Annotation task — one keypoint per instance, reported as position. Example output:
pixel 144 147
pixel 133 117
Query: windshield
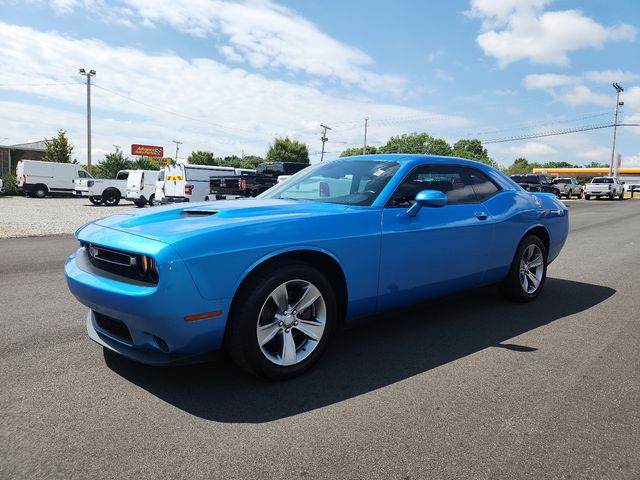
pixel 561 180
pixel 602 180
pixel 349 182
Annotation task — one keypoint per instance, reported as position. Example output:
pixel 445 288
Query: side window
pixel 482 186
pixel 449 180
pixel 83 174
pixel 122 175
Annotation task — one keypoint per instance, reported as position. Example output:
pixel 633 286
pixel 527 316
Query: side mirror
pixel 427 198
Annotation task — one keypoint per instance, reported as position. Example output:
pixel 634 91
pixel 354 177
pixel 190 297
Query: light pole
pixel 89 74
pixel 364 148
pixel 615 124
pixel 178 143
pixel 324 140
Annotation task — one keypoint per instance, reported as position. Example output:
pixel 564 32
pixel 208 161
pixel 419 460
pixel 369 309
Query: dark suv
pixel 536 183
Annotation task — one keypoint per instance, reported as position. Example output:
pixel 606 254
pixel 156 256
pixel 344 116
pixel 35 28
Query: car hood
pixel 170 224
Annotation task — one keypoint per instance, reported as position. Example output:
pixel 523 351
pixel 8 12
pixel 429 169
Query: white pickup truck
pixel 609 187
pixel 101 190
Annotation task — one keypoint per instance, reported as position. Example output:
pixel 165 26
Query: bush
pixel 10 186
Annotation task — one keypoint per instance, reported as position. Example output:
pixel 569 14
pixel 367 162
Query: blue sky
pixel 229 76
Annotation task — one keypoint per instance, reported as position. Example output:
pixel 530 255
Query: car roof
pixel 408 158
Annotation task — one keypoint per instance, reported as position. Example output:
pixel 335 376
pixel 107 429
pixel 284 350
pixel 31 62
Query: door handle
pixel 481 215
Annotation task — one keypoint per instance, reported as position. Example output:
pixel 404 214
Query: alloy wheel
pixel 531 269
pixel 291 322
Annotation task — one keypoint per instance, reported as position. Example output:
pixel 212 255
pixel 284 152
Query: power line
pixel 558 132
pixel 38 84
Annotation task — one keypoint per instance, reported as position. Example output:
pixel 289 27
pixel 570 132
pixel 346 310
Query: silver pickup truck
pixel 102 190
pixel 569 187
pixel 609 187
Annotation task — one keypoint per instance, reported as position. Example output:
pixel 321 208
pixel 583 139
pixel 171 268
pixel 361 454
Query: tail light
pixel 147 268
pixel 242 184
pixel 24 179
pixel 188 189
pixel 142 182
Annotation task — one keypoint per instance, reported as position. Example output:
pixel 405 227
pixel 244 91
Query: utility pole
pixel 615 124
pixel 324 139
pixel 364 148
pixel 117 148
pixel 178 143
pixel 89 74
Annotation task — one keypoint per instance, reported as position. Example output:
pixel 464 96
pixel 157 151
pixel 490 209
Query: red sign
pixel 147 150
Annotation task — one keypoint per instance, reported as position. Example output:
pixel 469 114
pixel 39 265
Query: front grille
pixel 113 327
pixel 119 263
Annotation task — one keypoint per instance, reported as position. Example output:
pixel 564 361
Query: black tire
pixel 40 191
pixel 152 200
pixel 512 287
pixel 241 337
pixel 111 197
pixel 140 203
pixel 95 200
pixel 587 197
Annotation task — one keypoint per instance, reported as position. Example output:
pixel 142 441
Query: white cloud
pixel 521 30
pixel 596 154
pixel 219 108
pixel 582 95
pixel 610 76
pixel 571 89
pixel 630 161
pixel 265 35
pixel 532 149
pixel 547 80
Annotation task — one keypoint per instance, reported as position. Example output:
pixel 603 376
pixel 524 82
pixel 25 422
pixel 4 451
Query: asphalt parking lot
pixel 468 387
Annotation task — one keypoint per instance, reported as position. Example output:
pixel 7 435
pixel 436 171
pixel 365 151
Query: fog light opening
pixel 162 345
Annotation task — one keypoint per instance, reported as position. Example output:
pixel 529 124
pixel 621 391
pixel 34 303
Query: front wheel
pixel 152 200
pixel 528 271
pixel 140 203
pixel 281 320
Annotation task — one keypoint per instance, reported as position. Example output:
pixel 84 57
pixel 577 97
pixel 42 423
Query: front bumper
pixel 154 315
pixel 148 357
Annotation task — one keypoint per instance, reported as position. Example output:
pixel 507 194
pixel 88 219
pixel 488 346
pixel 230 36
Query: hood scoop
pixel 198 213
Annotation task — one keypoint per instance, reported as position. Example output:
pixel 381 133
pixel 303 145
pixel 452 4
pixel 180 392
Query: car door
pixel 439 250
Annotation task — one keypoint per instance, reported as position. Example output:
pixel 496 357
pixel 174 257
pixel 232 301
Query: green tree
pixel 112 164
pixel 597 165
pixel 558 165
pixel 287 150
pixel 58 149
pixel 10 186
pixel 416 143
pixel 355 151
pixel 251 161
pixel 203 157
pixel 147 163
pixel 472 149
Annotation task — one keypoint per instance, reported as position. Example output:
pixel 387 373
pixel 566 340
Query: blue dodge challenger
pixel 270 278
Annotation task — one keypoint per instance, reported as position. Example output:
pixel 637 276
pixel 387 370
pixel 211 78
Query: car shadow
pixel 378 353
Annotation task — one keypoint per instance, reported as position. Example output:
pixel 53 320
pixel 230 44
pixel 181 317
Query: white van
pixel 159 195
pixel 38 179
pixel 141 187
pixel 190 183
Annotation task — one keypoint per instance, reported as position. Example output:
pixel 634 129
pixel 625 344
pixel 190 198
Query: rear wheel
pixel 111 197
pixel 140 203
pixel 621 197
pixel 152 200
pixel 40 191
pixel 587 197
pixel 528 271
pixel 281 321
pixel 95 200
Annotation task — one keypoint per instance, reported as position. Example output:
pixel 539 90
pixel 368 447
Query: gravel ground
pixel 34 217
